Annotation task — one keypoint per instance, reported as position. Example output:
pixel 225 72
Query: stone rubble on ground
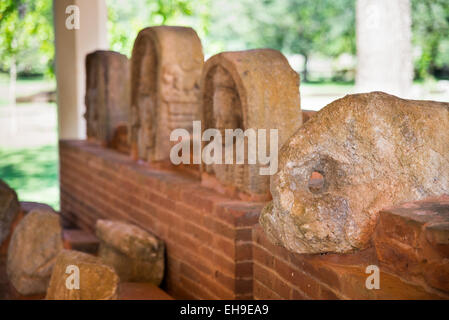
pixel 96 280
pixel 35 243
pixel 136 255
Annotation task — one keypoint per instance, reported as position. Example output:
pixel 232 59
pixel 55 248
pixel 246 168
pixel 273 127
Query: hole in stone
pixel 316 182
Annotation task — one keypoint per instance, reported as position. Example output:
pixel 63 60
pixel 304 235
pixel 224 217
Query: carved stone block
pixel 356 156
pixel 135 254
pixel 82 276
pixel 107 94
pixel 34 245
pixel 254 89
pixel 166 68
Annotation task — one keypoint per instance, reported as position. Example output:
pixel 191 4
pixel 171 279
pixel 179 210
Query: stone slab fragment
pixel 32 251
pixel 80 240
pixel 135 254
pixel 97 281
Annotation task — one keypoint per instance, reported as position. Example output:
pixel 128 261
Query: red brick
pixel 304 282
pixel 223 229
pixel 412 241
pixel 261 292
pixel 244 269
pixel 190 213
pixel 243 234
pixel 226 246
pixel 196 290
pixel 298 295
pixel 271 281
pixel 244 251
pixel 263 257
pixel 243 286
pixel 141 291
pixel 227 281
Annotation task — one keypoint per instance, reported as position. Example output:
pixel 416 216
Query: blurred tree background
pixel 301 28
pixel 26 36
pixel 431 38
pixel 304 28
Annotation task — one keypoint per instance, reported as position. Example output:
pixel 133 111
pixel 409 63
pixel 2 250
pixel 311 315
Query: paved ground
pixel 317 96
pixel 28 125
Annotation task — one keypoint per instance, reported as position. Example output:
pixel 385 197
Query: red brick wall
pixel 215 248
pixel 207 236
pixel 280 274
pixel 412 240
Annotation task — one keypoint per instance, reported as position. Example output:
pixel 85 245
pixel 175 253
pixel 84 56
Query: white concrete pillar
pixel 384 50
pixel 71 47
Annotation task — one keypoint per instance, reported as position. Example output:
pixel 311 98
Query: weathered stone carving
pixel 254 89
pixel 35 243
pixel 97 281
pixel 135 254
pixel 107 94
pixel 9 208
pixel 366 152
pixel 165 73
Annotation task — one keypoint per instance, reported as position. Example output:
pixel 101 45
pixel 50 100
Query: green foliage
pixel 430 35
pixel 26 34
pixel 126 20
pixel 305 27
pixel 325 27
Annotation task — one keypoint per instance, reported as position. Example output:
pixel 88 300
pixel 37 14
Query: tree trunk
pixel 12 95
pixel 384 48
pixel 305 70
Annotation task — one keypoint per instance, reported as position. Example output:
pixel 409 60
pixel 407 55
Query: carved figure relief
pixel 166 68
pixel 254 89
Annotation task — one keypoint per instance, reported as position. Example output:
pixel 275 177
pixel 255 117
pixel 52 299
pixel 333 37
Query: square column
pixel 71 47
pixel 384 50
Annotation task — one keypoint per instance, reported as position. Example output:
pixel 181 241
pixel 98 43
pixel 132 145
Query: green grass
pixel 33 173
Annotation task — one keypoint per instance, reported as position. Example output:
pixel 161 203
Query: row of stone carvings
pixel 170 88
pixel 369 150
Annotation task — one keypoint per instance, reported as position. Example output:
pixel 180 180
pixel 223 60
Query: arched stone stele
pixel 166 68
pixel 254 89
pixel 107 94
